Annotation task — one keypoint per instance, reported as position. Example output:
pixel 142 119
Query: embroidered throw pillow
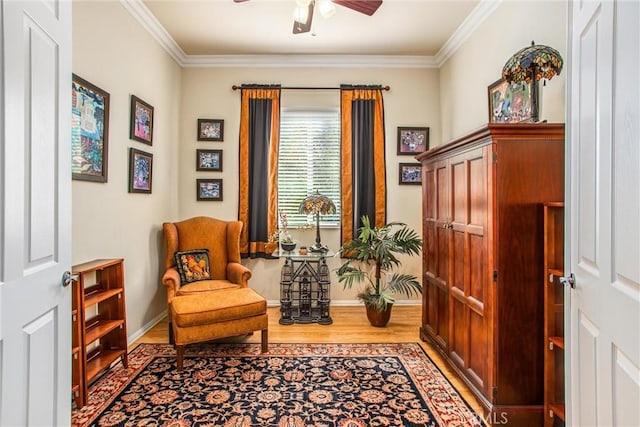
pixel 193 265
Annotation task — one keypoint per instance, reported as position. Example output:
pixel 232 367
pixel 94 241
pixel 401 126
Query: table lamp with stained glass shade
pixel 317 204
pixel 531 64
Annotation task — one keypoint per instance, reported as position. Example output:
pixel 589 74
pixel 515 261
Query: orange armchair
pixel 221 238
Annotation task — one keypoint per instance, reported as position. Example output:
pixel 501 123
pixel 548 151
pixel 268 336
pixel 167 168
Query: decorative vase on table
pixel 288 246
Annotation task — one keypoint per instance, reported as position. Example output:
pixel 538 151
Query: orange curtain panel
pixel 364 190
pixel 258 186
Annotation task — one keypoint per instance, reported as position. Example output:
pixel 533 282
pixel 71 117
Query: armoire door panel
pixel 437 313
pixel 460 335
pixel 432 304
pixel 457 255
pixel 429 211
pixel 459 192
pixel 429 253
pixel 436 267
pixel 429 250
pixel 478 349
pixel 443 318
pixel 478 190
pixel 477 267
pixel 442 272
pixel 442 193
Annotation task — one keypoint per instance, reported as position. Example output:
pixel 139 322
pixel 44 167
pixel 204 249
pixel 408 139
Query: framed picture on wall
pixel 141 121
pixel 89 131
pixel 209 189
pixel 412 140
pixel 140 171
pixel 209 160
pixel 410 173
pixel 210 130
pixel 509 103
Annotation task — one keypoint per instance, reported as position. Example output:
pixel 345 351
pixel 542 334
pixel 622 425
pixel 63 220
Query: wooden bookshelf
pixel 100 328
pixel 554 388
pixel 77 372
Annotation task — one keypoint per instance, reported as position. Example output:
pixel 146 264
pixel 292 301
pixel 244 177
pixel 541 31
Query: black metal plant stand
pixel 304 289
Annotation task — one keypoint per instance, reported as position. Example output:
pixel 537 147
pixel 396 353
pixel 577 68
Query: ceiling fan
pixel 303 13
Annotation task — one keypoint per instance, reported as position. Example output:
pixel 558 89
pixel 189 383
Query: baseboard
pixel 352 303
pixel 146 327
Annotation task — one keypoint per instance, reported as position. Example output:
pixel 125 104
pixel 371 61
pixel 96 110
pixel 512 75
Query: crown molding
pixel 149 22
pixel 477 16
pixel 302 61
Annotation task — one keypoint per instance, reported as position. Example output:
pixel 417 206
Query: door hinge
pixel 494 393
pixel 495 276
pixel 495 156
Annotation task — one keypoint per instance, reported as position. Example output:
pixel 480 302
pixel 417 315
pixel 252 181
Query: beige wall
pixel 479 61
pixel 110 222
pixel 206 93
pixel 112 51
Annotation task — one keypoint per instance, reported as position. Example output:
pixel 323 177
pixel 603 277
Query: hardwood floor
pixel 350 325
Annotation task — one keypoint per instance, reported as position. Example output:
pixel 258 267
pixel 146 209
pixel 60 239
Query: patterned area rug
pixel 341 385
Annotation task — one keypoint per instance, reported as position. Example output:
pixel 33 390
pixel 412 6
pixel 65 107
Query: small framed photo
pixel 209 160
pixel 141 122
pixel 509 103
pixel 210 130
pixel 89 131
pixel 140 171
pixel 412 140
pixel 410 173
pixel 209 189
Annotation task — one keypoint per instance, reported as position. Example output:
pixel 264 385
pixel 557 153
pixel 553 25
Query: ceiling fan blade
pixel 298 27
pixel 368 7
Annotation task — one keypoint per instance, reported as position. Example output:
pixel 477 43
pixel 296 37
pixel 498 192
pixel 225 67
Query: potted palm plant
pixel 372 261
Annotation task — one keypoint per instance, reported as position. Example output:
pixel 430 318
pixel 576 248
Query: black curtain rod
pixel 236 87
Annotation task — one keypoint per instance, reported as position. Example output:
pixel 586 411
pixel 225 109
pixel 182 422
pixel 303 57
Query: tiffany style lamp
pixel 532 64
pixel 317 204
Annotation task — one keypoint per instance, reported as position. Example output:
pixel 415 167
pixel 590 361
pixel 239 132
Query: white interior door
pixel 604 203
pixel 35 213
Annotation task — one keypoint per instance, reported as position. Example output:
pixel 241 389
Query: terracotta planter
pixel 377 318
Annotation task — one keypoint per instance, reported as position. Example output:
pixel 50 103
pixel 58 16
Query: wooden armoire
pixel 483 198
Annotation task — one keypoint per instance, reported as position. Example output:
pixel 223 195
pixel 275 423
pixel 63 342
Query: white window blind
pixel 308 160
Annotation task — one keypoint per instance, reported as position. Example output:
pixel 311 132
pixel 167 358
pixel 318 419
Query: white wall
pixel 479 61
pixel 206 93
pixel 113 52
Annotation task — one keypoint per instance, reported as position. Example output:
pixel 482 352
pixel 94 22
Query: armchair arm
pixel 171 279
pixel 238 274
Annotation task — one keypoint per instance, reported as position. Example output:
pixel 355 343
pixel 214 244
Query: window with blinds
pixel 308 160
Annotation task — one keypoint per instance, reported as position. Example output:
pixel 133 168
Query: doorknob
pixel 67 278
pixel 569 280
